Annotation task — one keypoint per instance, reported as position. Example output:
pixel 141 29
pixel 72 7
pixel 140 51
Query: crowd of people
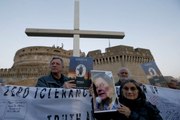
pixel 131 104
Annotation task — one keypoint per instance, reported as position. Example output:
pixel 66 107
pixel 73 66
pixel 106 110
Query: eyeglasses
pixel 124 73
pixel 131 89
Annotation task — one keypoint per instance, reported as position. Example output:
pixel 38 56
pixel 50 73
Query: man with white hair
pixel 123 74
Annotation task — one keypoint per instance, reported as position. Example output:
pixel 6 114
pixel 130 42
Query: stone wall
pixel 122 56
pixel 32 62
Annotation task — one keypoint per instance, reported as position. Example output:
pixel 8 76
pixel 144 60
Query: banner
pixel 33 103
pixel 167 101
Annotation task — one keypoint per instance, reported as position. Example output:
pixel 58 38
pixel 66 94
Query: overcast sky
pixel 150 24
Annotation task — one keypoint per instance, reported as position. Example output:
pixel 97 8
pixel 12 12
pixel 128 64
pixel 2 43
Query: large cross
pixel 76 33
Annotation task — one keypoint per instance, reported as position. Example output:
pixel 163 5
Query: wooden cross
pixel 76 33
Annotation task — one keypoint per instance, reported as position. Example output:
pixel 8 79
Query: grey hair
pixel 124 68
pixel 57 57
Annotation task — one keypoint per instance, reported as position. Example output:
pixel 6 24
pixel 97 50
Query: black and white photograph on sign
pixel 104 92
pixel 79 70
pixel 153 73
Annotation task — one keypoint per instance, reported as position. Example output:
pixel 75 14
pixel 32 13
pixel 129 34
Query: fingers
pixel 124 110
pixel 73 85
pixel 91 90
pixel 71 81
pixel 69 84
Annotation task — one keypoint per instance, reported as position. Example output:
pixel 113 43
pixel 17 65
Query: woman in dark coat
pixel 134 105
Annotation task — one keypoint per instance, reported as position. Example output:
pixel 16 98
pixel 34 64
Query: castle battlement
pixel 121 53
pixel 32 62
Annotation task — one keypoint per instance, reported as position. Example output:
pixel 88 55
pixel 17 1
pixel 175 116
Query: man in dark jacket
pixel 56 79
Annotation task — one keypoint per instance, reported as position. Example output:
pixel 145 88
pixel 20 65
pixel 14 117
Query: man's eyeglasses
pixel 124 73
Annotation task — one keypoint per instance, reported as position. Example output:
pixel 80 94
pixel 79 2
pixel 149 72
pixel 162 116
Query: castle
pixel 32 62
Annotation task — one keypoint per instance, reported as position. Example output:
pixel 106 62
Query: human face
pixel 56 66
pixel 130 91
pixel 123 73
pixel 102 88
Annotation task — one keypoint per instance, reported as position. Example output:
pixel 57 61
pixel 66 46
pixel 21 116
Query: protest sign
pixel 79 69
pixel 104 92
pixel 167 101
pixel 33 103
pixel 153 73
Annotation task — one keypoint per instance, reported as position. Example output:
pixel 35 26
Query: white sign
pixel 167 101
pixel 33 103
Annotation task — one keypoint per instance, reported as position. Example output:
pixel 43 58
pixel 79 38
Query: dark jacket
pixel 51 82
pixel 118 83
pixel 139 111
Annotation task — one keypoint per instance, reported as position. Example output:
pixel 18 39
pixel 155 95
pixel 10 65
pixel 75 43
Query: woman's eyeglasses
pixel 131 89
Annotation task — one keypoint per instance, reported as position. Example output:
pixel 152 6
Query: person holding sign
pixel 56 79
pixel 134 105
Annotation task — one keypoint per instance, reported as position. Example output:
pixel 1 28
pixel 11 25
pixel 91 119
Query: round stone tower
pixel 32 62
